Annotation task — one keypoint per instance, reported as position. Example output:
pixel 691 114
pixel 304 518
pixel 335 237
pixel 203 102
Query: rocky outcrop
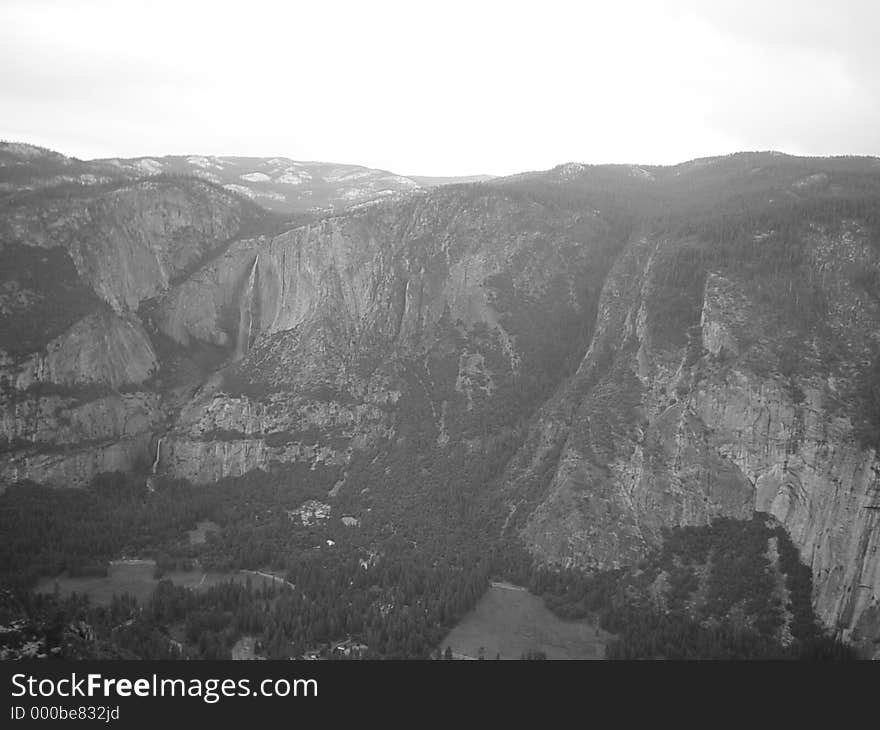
pixel 102 348
pixel 60 420
pixel 207 306
pixel 809 472
pixel 65 439
pixel 221 435
pixel 76 466
pixel 147 235
pixel 62 417
pixel 130 242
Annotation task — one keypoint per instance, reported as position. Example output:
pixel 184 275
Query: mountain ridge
pixel 277 183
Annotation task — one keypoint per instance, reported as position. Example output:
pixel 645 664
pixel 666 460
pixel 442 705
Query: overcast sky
pixel 442 87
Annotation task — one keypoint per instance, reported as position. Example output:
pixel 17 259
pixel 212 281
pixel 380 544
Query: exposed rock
pixel 646 435
pixel 102 348
pixel 68 420
pixel 76 467
pixel 131 242
pixel 325 323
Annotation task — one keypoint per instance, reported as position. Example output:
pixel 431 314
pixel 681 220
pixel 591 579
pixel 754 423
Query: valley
pixel 393 402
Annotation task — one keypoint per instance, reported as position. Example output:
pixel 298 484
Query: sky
pixel 443 87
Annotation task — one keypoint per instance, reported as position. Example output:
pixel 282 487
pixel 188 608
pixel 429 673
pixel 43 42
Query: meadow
pixel 509 622
pixel 138 578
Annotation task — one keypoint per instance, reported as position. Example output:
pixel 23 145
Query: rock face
pixel 64 401
pixel 130 242
pixel 101 348
pixel 221 436
pixel 61 420
pixel 77 403
pixel 331 323
pixel 627 456
pixel 76 467
pixel 749 406
pixel 617 349
pixel 391 273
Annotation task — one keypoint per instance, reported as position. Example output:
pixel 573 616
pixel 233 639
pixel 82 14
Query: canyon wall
pixel 747 406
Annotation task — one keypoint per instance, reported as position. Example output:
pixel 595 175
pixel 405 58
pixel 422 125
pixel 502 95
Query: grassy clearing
pixel 510 622
pixel 135 577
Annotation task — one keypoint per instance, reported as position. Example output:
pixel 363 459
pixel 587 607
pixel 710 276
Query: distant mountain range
pixel 276 183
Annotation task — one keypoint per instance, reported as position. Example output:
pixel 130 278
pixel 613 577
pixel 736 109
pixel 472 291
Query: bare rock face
pixel 743 409
pixel 130 242
pixel 148 235
pixel 63 418
pixel 616 457
pixel 77 467
pixel 791 433
pixel 101 348
pixel 204 306
pixel 331 324
pixel 220 435
pixel 388 273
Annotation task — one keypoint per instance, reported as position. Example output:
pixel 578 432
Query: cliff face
pixel 388 273
pixel 747 404
pixel 615 456
pixel 221 435
pixel 66 442
pixel 329 325
pixel 792 432
pixel 100 348
pixel 62 417
pixel 77 267
pixel 130 242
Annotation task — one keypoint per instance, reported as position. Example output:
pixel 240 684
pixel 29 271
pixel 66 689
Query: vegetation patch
pixel 41 296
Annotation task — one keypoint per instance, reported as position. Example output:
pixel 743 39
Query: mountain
pixel 27 167
pixel 570 361
pixel 278 184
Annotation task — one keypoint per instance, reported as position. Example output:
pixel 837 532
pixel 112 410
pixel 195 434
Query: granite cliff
pixel 329 325
pixel 78 262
